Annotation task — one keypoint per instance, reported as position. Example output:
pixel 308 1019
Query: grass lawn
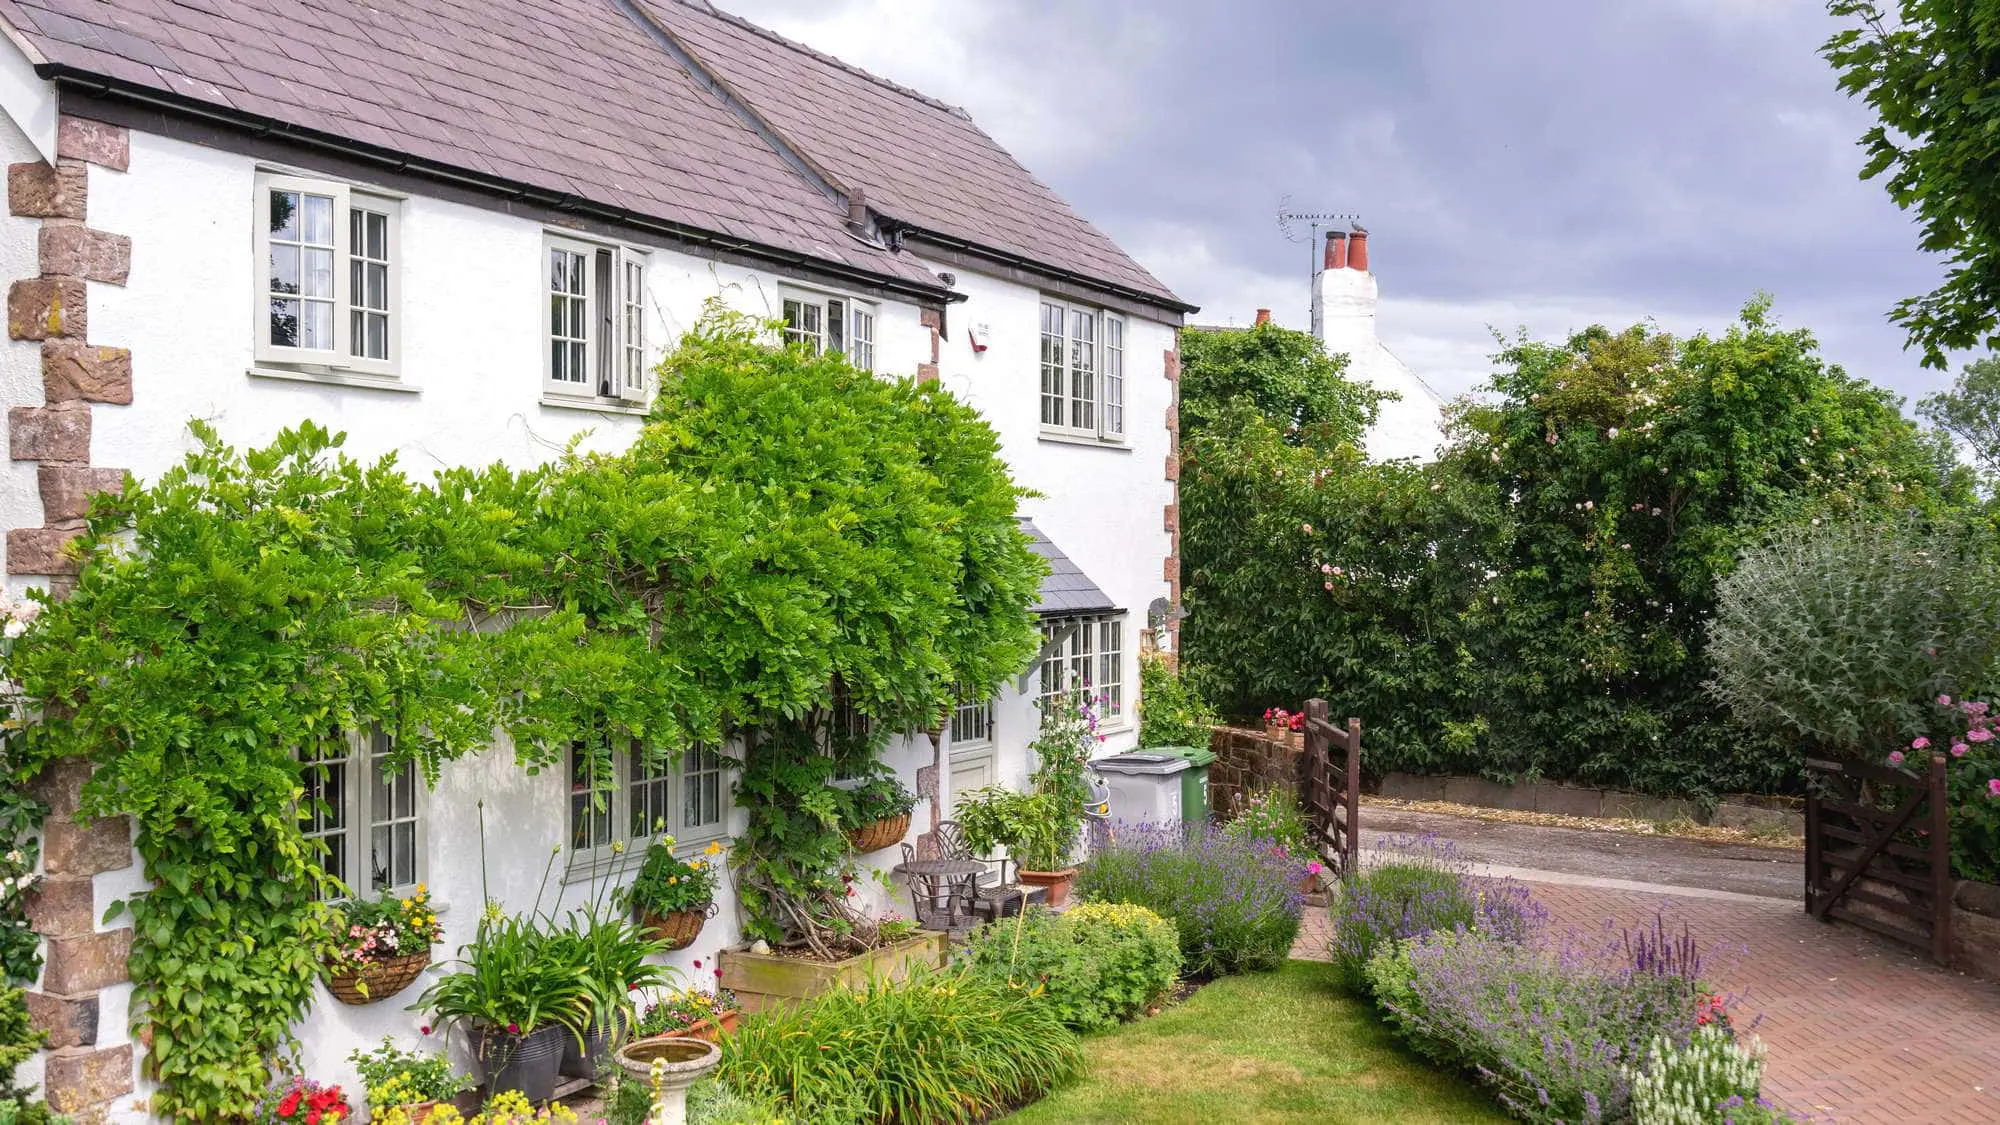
pixel 1260 1049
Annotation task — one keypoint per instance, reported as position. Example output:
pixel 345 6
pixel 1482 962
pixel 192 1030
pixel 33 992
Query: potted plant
pixel 689 1013
pixel 301 1101
pixel 672 897
pixel 1287 728
pixel 876 814
pixel 1037 829
pixel 519 994
pixel 379 947
pixel 410 1081
pixel 612 956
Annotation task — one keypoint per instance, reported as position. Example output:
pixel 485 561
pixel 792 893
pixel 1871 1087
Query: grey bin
pixel 1144 786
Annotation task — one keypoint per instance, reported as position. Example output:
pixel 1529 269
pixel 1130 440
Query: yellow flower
pixel 714 847
pixel 617 847
pixel 672 879
pixel 406 904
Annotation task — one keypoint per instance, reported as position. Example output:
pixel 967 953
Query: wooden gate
pixel 1878 850
pixel 1330 787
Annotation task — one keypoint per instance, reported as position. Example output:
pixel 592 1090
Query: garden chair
pixel 994 894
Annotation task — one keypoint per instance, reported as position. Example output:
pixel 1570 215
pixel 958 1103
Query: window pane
pixel 1054 403
pixel 316 220
pixel 285 216
pixel 1083 369
pixel 1114 376
pixel 376 245
pixel 284 268
pixel 701 806
pixel 317 279
pixel 323 811
pixel 316 325
pixel 589 807
pixel 836 327
pixel 649 798
pixel 284 323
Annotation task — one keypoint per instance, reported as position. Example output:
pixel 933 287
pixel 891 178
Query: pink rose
pixel 1920 743
pixel 1959 749
pixel 1993 787
pixel 1895 757
pixel 1944 701
pixel 1978 734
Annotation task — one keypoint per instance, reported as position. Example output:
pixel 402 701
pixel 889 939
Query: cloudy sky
pixel 1540 163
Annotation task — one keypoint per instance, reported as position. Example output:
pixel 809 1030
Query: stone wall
pixel 1975 929
pixel 1246 761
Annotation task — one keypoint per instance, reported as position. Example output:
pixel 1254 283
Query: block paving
pixel 1860 1031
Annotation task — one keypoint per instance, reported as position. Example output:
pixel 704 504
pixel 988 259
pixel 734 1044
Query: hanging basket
pixel 377 980
pixel 677 928
pixel 881 834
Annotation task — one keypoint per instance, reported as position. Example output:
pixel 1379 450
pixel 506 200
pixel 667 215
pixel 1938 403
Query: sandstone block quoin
pixel 35 190
pixel 80 138
pixel 73 371
pixel 82 1078
pixel 68 1021
pixel 49 433
pixel 79 964
pixel 44 308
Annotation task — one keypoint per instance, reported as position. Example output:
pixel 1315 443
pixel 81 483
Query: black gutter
pixel 1008 258
pixel 257 125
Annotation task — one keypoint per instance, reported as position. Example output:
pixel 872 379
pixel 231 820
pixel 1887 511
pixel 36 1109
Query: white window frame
pixel 858 320
pixel 1100 360
pixel 615 356
pixel 346 199
pixel 618 807
pixel 357 761
pixel 1092 654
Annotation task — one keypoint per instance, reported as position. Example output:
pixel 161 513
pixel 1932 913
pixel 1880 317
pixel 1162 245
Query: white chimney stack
pixel 1343 318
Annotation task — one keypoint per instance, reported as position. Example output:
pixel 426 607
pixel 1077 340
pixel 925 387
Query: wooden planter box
pixel 760 980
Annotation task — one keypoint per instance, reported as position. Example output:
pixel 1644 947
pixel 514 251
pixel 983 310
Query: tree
pixel 1932 75
pixel 1970 411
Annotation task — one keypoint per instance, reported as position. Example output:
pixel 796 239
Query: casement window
pixel 329 293
pixel 822 322
pixel 644 800
pixel 596 320
pixel 972 723
pixel 1085 654
pixel 1083 372
pixel 368 823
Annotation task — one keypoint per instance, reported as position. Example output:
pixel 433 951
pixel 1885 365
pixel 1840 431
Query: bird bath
pixel 669 1066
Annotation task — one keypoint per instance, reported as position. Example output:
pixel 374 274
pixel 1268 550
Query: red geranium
pixel 301 1101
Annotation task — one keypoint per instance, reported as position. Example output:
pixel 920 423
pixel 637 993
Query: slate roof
pixel 1067 589
pixel 915 158
pixel 579 98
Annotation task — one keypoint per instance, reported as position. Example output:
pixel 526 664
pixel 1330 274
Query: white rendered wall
pixel 1344 303
pixel 471 340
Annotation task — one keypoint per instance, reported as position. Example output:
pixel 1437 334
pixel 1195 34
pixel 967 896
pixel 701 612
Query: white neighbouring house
pixel 466 232
pixel 1345 295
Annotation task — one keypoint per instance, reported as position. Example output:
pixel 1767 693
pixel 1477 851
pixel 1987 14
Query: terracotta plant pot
pixel 1056 881
pixel 708 1031
pixel 377 980
pixel 881 834
pixel 678 929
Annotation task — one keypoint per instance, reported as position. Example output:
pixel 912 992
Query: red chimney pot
pixel 1357 251
pixel 1263 316
pixel 1336 250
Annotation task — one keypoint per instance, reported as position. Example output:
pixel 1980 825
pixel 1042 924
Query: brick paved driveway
pixel 1860 1032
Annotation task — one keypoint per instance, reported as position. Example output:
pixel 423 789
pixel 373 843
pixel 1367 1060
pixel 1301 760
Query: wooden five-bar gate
pixel 1330 787
pixel 1878 850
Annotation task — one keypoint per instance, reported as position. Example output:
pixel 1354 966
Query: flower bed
pixel 1235 902
pixel 1097 963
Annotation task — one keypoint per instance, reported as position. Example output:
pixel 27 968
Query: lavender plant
pixel 1236 903
pixel 1556 1030
pixel 1416 885
pixel 1710 1078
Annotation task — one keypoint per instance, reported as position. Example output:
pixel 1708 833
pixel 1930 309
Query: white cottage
pixel 1345 294
pixel 465 232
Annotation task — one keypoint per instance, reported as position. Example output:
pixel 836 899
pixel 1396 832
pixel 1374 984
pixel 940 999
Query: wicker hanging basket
pixel 881 834
pixel 677 928
pixel 377 980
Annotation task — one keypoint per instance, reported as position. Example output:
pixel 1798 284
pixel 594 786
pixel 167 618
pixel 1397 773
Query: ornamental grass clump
pixel 1556 1031
pixel 1235 903
pixel 1418 885
pixel 1097 963
pixel 941 1048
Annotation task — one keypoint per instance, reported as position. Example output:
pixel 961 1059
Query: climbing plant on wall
pixel 782 526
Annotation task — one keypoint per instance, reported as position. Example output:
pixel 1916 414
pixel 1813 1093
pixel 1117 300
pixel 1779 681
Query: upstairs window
pixel 821 323
pixel 1083 372
pixel 328 292
pixel 596 320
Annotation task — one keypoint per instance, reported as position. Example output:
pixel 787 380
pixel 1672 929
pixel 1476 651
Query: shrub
pixel 1235 904
pixel 1097 964
pixel 1555 1031
pixel 942 1047
pixel 1858 639
pixel 1711 1077
pixel 393 1076
pixel 1171 711
pixel 1418 885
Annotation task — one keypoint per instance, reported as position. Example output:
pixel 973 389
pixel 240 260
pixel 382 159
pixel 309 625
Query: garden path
pixel 1860 1031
